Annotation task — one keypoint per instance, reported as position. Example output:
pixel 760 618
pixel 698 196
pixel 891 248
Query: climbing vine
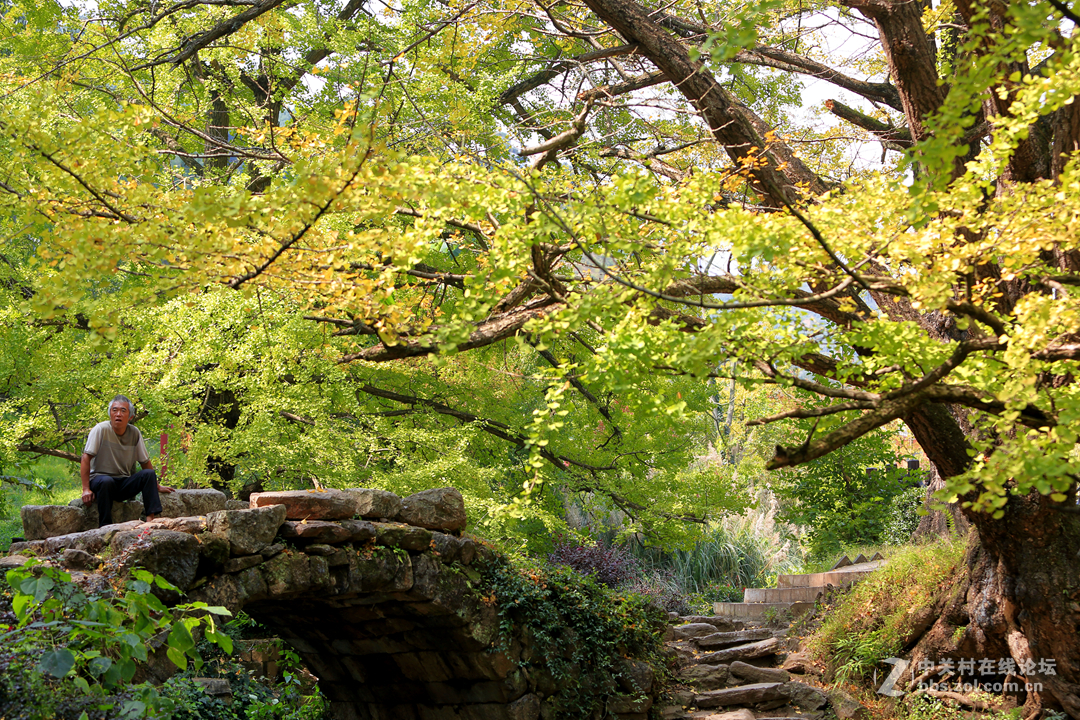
pixel 575 629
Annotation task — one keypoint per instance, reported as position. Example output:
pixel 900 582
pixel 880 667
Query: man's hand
pixel 165 488
pixel 84 474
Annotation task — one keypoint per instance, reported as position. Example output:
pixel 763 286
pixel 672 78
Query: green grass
pixel 58 482
pixel 871 622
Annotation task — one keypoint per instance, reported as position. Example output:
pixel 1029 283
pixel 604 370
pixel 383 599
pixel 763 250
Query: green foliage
pixel 430 311
pixel 42 481
pixel 919 706
pixel 252 697
pixel 575 628
pixel 251 700
pixel 871 622
pixel 838 501
pixel 94 644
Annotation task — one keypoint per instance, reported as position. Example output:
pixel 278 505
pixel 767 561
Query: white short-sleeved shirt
pixel 112 454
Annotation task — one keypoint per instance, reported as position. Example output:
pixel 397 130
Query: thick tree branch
pixel 611 91
pixel 868 421
pixel 780 59
pixel 493 427
pixel 892 137
pixel 487 332
pixel 30 447
pixel 717 105
pixel 549 150
pixel 910 55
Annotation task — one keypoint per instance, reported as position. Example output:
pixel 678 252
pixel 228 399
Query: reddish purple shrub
pixel 611 566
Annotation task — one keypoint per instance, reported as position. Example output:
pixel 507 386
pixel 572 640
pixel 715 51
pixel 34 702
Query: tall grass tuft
pixel 738 552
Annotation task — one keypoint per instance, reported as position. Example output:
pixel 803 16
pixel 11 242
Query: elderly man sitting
pixel 108 462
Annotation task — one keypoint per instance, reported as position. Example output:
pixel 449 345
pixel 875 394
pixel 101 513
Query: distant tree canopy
pixel 349 214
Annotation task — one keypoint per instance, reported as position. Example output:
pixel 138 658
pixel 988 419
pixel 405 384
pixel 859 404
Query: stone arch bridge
pixel 373 591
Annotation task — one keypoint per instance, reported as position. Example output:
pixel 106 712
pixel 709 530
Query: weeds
pixel 924 707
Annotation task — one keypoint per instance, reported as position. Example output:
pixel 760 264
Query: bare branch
pixel 42 450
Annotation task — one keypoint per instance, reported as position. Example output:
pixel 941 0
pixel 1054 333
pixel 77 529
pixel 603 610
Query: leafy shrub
pixel 662 591
pixel 741 551
pixel 27 693
pixel 904 517
pixel 193 703
pixel 611 566
pixel 837 500
pixel 86 649
pixel 252 699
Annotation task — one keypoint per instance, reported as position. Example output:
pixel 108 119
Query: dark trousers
pixel 108 489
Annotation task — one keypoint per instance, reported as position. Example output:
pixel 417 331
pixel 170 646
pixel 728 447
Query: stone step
pixel 760 611
pixel 762 648
pixel 743 695
pixel 724 639
pixel 843 576
pixel 782 594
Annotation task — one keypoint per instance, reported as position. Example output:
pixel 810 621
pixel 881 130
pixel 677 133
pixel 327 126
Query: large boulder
pixel 806 697
pixel 755 674
pixel 742 695
pixel 45 521
pixel 402 536
pixel 372 503
pixel 172 505
pixel 123 512
pixel 248 531
pixel 170 554
pixel 694 630
pixel 439 509
pixel 213 552
pixel 186 503
pixel 308 504
pixel 846 707
pixel 704 677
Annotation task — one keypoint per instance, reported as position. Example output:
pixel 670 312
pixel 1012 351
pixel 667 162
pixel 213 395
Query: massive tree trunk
pixel 1017 604
pixel 1020 599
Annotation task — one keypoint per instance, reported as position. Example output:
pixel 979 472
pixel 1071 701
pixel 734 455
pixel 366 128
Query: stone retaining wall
pixel 375 592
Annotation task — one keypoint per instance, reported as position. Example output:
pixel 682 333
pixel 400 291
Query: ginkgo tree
pixel 623 194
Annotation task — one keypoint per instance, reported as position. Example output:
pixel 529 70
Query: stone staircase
pixel 796 594
pixel 728 670
pixel 730 666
